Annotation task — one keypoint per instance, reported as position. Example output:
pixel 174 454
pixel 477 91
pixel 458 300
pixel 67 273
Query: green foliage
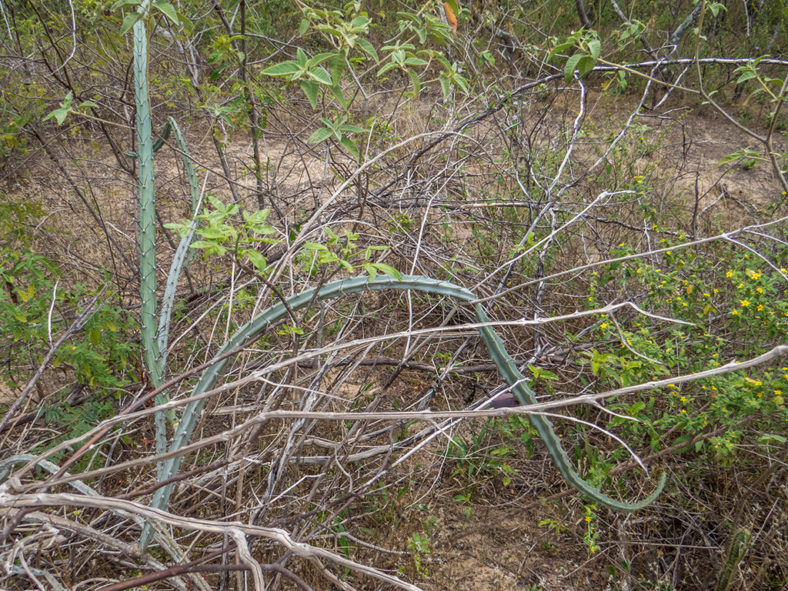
pixel 725 295
pixel 219 234
pixel 586 48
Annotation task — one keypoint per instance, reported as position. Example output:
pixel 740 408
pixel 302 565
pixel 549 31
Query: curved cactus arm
pixel 179 260
pixel 525 396
pixel 504 362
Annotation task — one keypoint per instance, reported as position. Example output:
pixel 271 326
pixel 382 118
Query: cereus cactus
pixel 336 289
pixel 736 552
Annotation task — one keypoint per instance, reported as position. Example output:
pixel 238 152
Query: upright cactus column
pixel 147 217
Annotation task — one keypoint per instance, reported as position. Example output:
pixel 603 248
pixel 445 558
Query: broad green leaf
pixel 321 75
pixel 129 21
pixel 320 58
pixel 337 66
pixel 351 128
pixel 415 61
pixel 415 80
pixel 351 147
pixel 388 270
pixel 320 135
pixel 445 86
pixel 303 26
pixel 571 66
pixel 120 3
pixel 585 65
pixel 596 47
pixel 746 76
pixel 256 258
pixel 59 115
pixel 337 92
pixel 386 67
pixel 282 69
pixel 166 9
pixel 367 47
pixel 310 89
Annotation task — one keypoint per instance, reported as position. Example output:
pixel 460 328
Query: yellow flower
pixel 707 294
pixel 744 303
pixel 735 312
pixel 729 274
pixel 759 289
pixel 683 399
pixel 760 308
pixel 588 519
pixel 603 325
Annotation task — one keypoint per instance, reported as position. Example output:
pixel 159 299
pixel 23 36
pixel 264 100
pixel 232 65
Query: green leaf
pixel 256 258
pixel 445 86
pixel 596 47
pixel 166 9
pixel 585 65
pixel 310 89
pixel 282 69
pixel 415 61
pixel 129 21
pixel 386 67
pixel 337 66
pixel 322 76
pixel 303 26
pixel 351 147
pixel 367 47
pixel 746 76
pixel 59 115
pixel 320 135
pixel 320 58
pixel 337 92
pixel 571 66
pixel 388 270
pixel 121 3
pixel 351 128
pixel 415 80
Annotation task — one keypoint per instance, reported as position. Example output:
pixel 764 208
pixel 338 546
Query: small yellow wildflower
pixel 735 313
pixel 603 325
pixel 760 308
pixel 588 519
pixel 759 289
pixel 683 399
pixel 729 274
pixel 744 303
